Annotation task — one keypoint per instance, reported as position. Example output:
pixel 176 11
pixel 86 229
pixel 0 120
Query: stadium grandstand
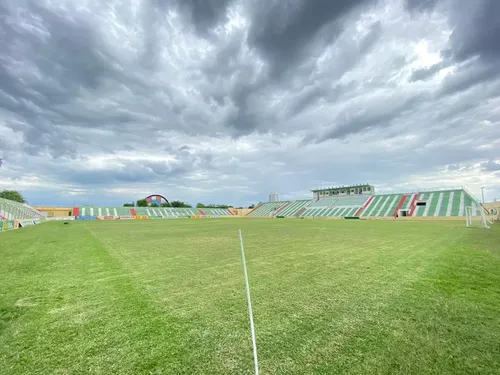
pixel 11 210
pixel 14 215
pixel 155 209
pixel 108 212
pixel 356 201
pixel 361 201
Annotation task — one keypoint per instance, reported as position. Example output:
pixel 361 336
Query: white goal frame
pixel 468 217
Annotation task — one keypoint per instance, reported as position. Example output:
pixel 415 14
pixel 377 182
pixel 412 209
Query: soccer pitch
pixel 329 297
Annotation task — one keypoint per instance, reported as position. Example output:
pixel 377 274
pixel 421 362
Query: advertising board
pixel 85 217
pixel 25 223
pixel 7 225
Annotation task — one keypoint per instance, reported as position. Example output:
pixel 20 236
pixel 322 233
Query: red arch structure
pixel 155 198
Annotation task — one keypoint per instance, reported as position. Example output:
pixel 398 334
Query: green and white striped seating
pixel 266 209
pixel 382 205
pixel 293 208
pixel 11 210
pixel 447 203
pixel 215 212
pixel 324 202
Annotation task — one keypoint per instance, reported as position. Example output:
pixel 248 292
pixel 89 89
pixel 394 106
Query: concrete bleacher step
pixel 400 205
pixel 280 209
pixel 299 212
pixel 363 208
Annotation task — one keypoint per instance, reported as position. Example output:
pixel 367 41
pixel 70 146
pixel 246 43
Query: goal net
pixel 476 217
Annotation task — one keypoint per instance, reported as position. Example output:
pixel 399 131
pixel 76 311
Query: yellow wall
pixel 56 211
pixel 241 211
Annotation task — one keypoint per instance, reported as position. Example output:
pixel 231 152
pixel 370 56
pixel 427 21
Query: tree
pixel 13 196
pixel 201 205
pixel 180 204
pixel 142 203
pixel 154 205
pixel 128 205
pixel 251 206
pixel 166 204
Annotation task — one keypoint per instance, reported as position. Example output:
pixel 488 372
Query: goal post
pixel 472 220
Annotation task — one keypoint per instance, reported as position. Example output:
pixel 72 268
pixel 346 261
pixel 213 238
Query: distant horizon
pixel 478 198
pixel 227 101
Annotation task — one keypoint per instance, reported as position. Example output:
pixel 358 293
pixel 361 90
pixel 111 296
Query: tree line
pixel 144 203
pixel 201 205
pixel 12 195
pixel 18 197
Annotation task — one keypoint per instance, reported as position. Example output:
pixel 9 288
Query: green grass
pixel 329 296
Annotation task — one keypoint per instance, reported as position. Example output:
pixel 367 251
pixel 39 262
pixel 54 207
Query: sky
pixel 226 101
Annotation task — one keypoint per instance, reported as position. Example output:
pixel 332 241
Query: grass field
pixel 329 296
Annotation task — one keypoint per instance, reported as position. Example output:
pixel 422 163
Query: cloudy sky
pixel 222 101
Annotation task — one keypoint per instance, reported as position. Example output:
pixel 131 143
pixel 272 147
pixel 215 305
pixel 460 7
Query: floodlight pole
pixel 250 313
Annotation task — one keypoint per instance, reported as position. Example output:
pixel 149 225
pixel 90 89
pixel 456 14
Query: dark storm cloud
pixel 311 95
pixel 69 59
pixel 354 121
pixel 245 118
pixel 475 28
pixel 469 76
pixel 203 14
pixel 285 32
pixel 420 5
pixel 490 166
pixel 248 116
pixel 72 54
pixel 425 73
pixel 371 38
pixel 68 69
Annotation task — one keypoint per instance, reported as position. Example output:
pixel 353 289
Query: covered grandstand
pixel 446 203
pixel 358 201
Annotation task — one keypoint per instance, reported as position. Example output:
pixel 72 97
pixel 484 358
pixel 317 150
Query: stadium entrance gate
pixel 404 213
